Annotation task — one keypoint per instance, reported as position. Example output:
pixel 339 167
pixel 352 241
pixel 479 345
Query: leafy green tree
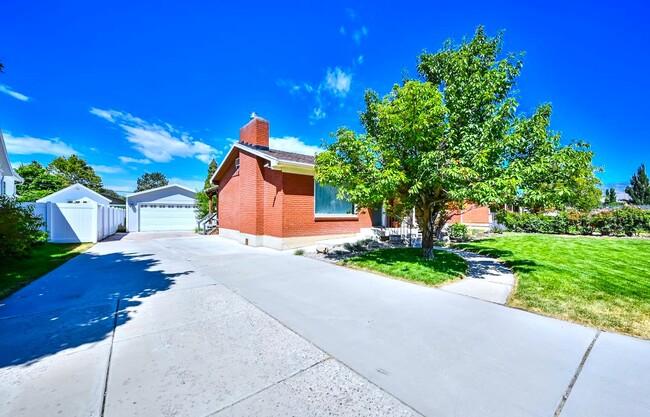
pixel 454 137
pixel 639 188
pixel 111 193
pixel 38 182
pixel 151 180
pixel 76 170
pixel 202 200
pixel 610 197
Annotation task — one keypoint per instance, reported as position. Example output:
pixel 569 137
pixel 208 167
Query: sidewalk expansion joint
pixel 565 397
pixel 110 356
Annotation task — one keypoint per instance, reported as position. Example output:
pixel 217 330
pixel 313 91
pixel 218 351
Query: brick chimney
pixel 255 133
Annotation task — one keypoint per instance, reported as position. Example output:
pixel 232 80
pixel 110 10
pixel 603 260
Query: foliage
pixel 610 197
pixel 639 188
pixel 75 170
pixel 39 182
pixel 111 193
pixel 436 144
pixel 151 180
pixel 299 252
pixel 212 168
pixel 406 263
pixel 19 229
pixel 627 221
pixel 458 231
pixel 202 200
pixel 597 282
pixel 497 229
pixel 16 273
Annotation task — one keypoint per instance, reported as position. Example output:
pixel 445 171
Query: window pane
pixel 327 203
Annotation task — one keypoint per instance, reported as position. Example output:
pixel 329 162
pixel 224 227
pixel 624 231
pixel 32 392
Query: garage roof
pixel 151 190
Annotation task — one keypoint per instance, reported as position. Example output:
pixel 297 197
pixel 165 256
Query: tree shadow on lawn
pixel 517 265
pixel 444 262
pixel 77 305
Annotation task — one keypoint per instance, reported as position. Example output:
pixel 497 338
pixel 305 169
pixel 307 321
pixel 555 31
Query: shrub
pixel 19 228
pixel 497 229
pixel 458 231
pixel 299 252
pixel 627 221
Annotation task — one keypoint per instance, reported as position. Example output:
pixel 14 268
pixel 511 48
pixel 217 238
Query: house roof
pixel 280 160
pixel 5 164
pixel 115 200
pixel 72 187
pixel 151 190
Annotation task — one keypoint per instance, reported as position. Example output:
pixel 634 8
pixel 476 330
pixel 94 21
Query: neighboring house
pixel 474 216
pixel 268 197
pixel 115 201
pixel 8 177
pixel 167 208
pixel 76 193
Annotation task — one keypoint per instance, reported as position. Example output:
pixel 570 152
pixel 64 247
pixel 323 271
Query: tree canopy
pixel 151 180
pixel 610 197
pixel 452 137
pixel 639 188
pixel 75 170
pixel 38 182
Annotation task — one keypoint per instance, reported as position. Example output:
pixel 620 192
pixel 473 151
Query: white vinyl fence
pixel 79 222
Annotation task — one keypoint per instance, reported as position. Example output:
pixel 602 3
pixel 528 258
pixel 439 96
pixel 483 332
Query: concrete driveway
pixel 179 324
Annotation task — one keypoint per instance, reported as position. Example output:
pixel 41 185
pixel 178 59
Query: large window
pixel 326 202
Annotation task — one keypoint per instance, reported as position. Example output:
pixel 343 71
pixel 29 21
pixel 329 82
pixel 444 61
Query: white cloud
pixel 27 145
pixel 105 169
pixel 359 34
pixel 18 96
pixel 317 114
pixel 129 160
pixel 157 143
pixel 342 30
pixel 351 13
pixel 191 184
pixel 360 59
pixel 338 82
pixel 292 144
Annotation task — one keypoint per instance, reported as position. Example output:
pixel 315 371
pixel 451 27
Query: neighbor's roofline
pixel 75 185
pixel 164 187
pixel 262 155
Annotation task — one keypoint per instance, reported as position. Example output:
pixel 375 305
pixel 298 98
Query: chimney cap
pixel 253 115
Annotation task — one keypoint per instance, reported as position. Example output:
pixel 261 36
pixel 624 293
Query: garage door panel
pixel 164 217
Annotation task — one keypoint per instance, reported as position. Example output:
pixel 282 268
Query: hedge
pixel 627 221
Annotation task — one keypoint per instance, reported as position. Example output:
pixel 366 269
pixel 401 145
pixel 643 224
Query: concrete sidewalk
pixel 186 325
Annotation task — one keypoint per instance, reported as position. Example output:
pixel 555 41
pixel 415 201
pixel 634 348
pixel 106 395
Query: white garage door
pixel 157 217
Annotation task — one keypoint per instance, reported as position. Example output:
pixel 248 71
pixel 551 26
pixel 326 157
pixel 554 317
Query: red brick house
pixel 268 197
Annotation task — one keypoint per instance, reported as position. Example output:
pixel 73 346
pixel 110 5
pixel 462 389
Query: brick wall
pixel 472 214
pixel 261 201
pixel 255 133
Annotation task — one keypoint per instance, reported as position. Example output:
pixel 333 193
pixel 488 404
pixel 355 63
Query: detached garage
pixel 167 208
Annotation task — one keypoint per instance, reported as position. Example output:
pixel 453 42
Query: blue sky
pixel 164 86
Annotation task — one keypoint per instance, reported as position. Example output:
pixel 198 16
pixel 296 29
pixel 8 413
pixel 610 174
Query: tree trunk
pixel 427 221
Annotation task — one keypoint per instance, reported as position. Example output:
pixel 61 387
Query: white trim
pixel 5 153
pixel 164 187
pixel 73 186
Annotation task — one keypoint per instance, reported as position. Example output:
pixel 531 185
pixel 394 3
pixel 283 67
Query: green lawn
pixel 408 264
pixel 15 274
pixel 600 282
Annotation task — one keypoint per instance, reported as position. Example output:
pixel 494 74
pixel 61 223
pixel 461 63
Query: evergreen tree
pixel 211 170
pixel 151 180
pixel 639 188
pixel 610 196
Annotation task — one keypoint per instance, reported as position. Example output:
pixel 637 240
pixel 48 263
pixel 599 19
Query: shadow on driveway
pixel 77 306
